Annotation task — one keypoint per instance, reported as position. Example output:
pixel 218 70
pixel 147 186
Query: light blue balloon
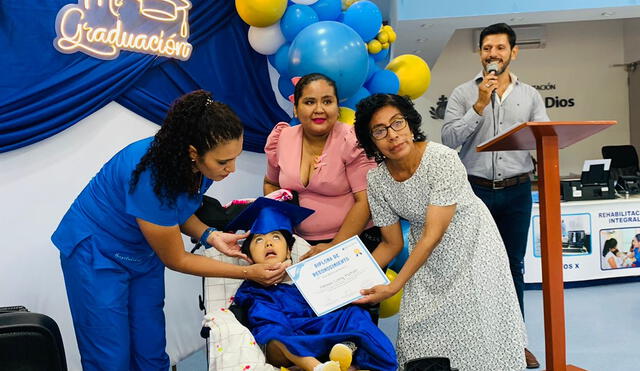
pixel 357 97
pixel 382 55
pixel 383 81
pixel 285 87
pixel 373 68
pixel 399 260
pixel 327 10
pixel 295 19
pixel 365 18
pixel 281 60
pixel 333 49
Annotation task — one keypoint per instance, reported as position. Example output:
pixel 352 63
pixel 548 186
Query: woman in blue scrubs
pixel 127 224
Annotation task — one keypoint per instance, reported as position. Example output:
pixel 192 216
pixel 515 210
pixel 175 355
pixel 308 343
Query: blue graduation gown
pixel 281 313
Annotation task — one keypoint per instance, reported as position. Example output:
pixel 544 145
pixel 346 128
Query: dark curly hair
pixel 194 119
pixel 308 79
pixel 367 107
pixel 246 245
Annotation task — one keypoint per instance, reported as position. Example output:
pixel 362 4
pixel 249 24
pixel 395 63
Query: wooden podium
pixel 547 138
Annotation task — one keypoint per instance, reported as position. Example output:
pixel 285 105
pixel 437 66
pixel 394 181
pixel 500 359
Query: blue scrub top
pixel 106 210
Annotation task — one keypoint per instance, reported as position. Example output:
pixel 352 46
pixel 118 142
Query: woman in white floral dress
pixel 459 300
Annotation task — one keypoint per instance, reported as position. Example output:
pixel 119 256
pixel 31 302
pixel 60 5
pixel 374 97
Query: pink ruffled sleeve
pixel 271 150
pixel 357 164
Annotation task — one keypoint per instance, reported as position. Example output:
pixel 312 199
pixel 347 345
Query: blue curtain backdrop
pixel 43 91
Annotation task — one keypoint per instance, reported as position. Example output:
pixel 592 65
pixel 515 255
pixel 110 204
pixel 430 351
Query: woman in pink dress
pixel 321 161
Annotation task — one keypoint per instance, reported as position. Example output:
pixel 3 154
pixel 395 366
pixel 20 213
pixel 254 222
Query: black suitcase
pixel 29 342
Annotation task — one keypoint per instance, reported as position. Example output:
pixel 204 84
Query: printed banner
pixel 600 239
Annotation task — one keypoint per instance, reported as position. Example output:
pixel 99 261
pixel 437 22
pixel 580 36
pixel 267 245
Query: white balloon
pixel 305 2
pixel 266 40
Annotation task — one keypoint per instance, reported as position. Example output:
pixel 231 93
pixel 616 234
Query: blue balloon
pixel 340 17
pixel 327 10
pixel 365 18
pixel 383 81
pixel 272 60
pixel 281 60
pixel 357 97
pixel 333 49
pixel 295 19
pixel 285 87
pixel 294 121
pixel 382 55
pixel 399 260
pixel 373 68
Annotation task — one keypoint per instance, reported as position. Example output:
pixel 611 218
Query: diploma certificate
pixel 334 278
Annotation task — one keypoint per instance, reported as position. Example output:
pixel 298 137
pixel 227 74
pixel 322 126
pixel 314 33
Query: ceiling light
pixel 517 19
pixel 607 14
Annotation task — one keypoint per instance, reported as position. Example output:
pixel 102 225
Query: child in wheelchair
pixel 281 320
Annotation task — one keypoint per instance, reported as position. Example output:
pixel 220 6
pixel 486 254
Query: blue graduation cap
pixel 265 215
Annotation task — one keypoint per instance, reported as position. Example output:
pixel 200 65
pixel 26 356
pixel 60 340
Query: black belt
pixel 499 184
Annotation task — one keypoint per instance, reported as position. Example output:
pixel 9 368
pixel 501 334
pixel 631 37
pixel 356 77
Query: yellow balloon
pixel 383 37
pixel 413 73
pixel 347 3
pixel 374 46
pixel 392 36
pixel 391 305
pixel 387 28
pixel 261 13
pixel 385 45
pixel 347 115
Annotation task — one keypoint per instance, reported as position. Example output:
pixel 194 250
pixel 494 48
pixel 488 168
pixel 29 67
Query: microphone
pixel 493 67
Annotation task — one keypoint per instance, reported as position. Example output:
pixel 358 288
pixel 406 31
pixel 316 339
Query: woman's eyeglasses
pixel 381 131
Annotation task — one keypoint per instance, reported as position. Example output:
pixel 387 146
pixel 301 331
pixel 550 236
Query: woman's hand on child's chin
pixel 267 274
pixel 376 294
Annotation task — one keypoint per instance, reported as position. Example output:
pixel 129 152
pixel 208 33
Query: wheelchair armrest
pixel 241 313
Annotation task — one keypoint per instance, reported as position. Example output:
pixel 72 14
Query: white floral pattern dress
pixel 461 303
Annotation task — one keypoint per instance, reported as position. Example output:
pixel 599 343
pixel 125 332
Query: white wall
pixel 577 58
pixel 40 181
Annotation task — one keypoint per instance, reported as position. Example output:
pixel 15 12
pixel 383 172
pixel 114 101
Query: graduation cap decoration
pixel 265 215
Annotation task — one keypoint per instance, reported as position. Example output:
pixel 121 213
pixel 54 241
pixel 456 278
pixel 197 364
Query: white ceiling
pixel 428 37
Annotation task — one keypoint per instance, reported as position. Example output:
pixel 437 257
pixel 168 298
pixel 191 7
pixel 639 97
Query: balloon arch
pixel 343 39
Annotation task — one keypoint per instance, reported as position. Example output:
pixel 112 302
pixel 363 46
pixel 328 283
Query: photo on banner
pixel 576 234
pixel 619 248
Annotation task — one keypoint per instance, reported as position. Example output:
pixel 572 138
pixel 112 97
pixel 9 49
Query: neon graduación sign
pixel 101 28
